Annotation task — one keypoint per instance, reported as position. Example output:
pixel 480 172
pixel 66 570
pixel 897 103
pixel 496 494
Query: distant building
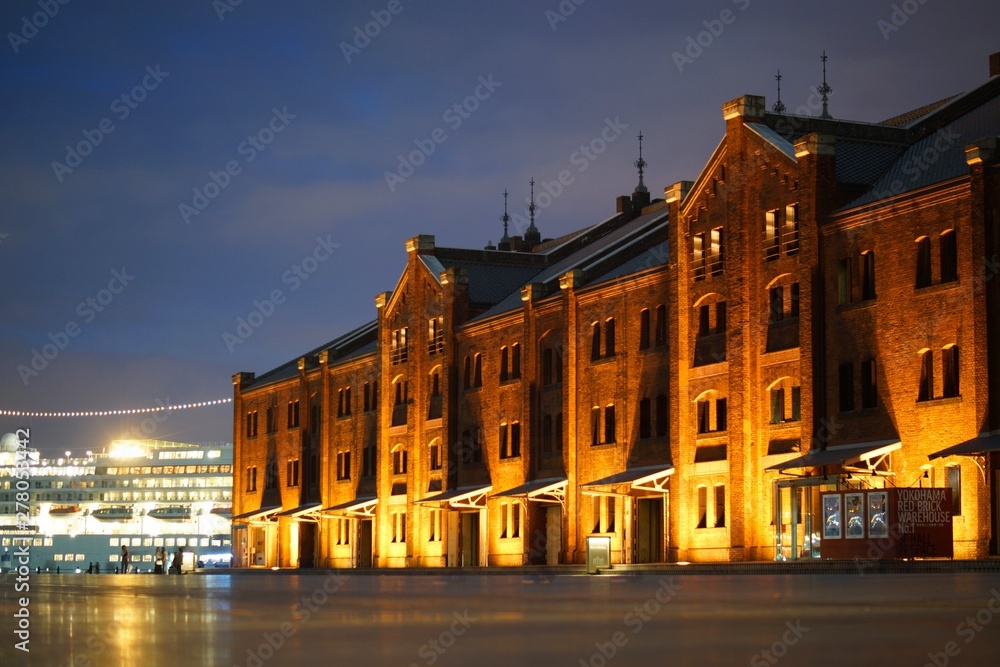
pixel 818 310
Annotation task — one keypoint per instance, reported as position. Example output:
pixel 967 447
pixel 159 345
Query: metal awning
pixel 548 490
pixel 645 478
pixel 302 511
pixel 257 514
pixel 357 507
pixel 464 497
pixel 841 455
pixel 978 445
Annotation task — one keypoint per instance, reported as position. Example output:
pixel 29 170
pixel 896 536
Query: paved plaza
pixel 329 618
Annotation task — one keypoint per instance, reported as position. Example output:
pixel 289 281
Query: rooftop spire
pixel 825 90
pixel 531 207
pixel 640 164
pixel 778 106
pixel 505 240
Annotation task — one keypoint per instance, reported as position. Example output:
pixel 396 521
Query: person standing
pixel 126 558
pixel 178 563
pixel 158 559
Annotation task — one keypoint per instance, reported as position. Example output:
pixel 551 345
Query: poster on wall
pixel 831 517
pixel 854 512
pixel 887 523
pixel 878 517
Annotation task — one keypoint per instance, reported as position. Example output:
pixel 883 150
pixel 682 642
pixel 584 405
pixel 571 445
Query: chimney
pixel 995 64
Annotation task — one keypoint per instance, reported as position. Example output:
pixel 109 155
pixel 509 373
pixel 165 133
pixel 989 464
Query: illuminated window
pixel 923 278
pixel 434 526
pixel 720 505
pixel 949 370
pixel 435 335
pixel 711 413
pixel 949 256
pixel 399 460
pixel 272 418
pixel 844 282
pixel 344 402
pixel 609 424
pixel 644 329
pixel 343 465
pixel 954 474
pixel 251 429
pixel 867 275
pixel 661 325
pixel 926 392
pixel 398 346
pixel 435 455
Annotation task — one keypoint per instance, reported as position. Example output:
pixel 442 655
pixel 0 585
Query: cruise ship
pixel 142 494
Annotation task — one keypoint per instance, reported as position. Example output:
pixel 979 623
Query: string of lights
pixel 111 413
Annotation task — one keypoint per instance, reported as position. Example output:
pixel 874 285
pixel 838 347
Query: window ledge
pixel 857 306
pixel 510 459
pixel 510 381
pixel 943 400
pixel 711 434
pixel 602 444
pixel 934 288
pixel 602 360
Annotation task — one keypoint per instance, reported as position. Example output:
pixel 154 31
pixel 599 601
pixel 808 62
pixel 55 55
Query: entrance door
pixel 307 544
pixel 649 530
pixel 365 543
pixel 259 546
pixel 553 534
pixel 797 517
pixel 469 538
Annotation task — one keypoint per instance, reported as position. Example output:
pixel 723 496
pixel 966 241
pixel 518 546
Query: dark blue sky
pixel 299 120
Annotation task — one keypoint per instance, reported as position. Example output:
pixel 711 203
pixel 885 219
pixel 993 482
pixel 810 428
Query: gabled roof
pixel 775 139
pixel 352 344
pixel 490 282
pixel 913 116
pixel 861 162
pixel 936 158
pixel 616 248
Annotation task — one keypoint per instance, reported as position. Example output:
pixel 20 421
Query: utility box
pixel 598 553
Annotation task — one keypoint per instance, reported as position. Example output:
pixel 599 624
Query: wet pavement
pixel 328 618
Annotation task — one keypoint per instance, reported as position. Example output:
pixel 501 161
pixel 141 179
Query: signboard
pixel 887 523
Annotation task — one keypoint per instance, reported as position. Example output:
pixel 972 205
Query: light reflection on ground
pixel 256 619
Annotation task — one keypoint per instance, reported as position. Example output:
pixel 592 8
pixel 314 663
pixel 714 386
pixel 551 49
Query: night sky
pixel 165 165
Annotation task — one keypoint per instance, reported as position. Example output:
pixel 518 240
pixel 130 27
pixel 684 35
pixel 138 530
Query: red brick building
pixel 818 310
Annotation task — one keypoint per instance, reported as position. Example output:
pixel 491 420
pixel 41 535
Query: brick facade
pixel 778 305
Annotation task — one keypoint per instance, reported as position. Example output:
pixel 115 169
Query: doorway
pixel 649 530
pixel 797 520
pixel 553 534
pixel 365 543
pixel 469 539
pixel 307 544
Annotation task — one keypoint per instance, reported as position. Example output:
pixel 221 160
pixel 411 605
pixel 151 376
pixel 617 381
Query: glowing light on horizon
pixel 111 413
